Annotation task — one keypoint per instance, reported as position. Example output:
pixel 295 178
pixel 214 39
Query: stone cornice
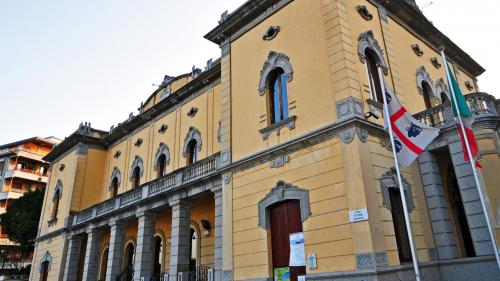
pixel 252 12
pixel 106 139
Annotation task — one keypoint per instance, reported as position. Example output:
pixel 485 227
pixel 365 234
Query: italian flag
pixel 466 115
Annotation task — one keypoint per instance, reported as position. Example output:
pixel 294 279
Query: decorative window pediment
pixel 162 150
pixel 58 190
pixel 115 174
pixel 193 134
pixel 424 76
pixel 281 192
pixel 274 60
pixel 137 163
pixel 366 40
pixel 46 258
pixel 390 180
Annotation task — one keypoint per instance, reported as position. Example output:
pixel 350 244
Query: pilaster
pixel 180 238
pixel 91 264
pixel 72 258
pixel 218 233
pixel 144 248
pixel 115 254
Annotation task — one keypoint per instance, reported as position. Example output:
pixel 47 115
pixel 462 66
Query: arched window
pixel 192 152
pixel 444 97
pixel 162 165
pixel 128 261
pixel 114 187
pixel 373 76
pixel 426 94
pixel 278 96
pixel 136 177
pixel 56 199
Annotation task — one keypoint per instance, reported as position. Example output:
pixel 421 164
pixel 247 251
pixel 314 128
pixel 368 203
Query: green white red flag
pixel 467 119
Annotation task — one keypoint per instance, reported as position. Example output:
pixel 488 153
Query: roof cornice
pixel 253 12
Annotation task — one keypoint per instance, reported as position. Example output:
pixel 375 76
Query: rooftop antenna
pixel 427 5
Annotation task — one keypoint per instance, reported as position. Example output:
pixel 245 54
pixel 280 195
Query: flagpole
pixel 400 181
pixel 472 161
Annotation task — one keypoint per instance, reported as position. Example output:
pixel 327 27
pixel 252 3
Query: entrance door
pixel 458 212
pixel 285 219
pixel 398 219
pixel 45 271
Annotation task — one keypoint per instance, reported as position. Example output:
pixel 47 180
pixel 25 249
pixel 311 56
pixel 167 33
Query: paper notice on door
pixel 297 253
pixel 301 278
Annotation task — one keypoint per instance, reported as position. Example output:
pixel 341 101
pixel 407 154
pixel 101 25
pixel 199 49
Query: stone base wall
pixel 477 269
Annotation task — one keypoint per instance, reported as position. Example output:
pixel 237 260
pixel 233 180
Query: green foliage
pixel 20 222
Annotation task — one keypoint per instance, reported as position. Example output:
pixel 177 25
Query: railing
pixel 170 181
pixel 127 274
pixel 200 273
pixel 198 169
pixel 481 104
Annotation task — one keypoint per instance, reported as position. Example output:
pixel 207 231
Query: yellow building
pixel 283 134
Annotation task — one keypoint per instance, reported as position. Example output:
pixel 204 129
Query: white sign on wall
pixel 358 215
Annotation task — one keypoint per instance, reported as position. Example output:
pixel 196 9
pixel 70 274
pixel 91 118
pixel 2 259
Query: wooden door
pixel 285 219
pixel 45 271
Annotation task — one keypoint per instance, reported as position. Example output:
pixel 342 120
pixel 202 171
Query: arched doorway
pixel 136 177
pixel 44 271
pixel 157 256
pixel 162 163
pixel 114 187
pixel 191 153
pixel 103 264
pixel 128 259
pixel 464 236
pixel 400 231
pixel 285 219
pixel 194 246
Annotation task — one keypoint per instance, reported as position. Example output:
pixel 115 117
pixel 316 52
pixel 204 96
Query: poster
pixel 282 274
pixel 301 278
pixel 297 253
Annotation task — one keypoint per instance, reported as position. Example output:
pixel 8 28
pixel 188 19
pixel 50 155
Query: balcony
pixel 482 105
pixel 200 170
pixel 15 172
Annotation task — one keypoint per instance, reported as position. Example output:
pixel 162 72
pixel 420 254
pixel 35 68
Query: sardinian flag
pixel 410 136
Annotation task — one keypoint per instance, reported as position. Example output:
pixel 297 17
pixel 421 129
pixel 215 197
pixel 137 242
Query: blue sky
pixel 63 62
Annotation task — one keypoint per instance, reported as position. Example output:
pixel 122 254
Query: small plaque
pixel 311 261
pixel 358 215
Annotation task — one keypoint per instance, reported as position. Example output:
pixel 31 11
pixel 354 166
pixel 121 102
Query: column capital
pixel 180 202
pixel 147 213
pixel 216 189
pixel 116 223
pixel 91 229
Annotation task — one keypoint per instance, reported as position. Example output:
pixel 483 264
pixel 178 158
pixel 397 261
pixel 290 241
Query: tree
pixel 20 221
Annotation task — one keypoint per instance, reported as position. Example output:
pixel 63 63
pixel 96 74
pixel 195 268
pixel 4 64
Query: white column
pixel 144 249
pixel 180 238
pixel 91 264
pixel 115 254
pixel 218 233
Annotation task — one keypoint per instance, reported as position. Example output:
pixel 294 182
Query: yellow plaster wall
pixel 302 39
pixel 93 178
pixel 403 63
pixel 318 169
pixel 54 247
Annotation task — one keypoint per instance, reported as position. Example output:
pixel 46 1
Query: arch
pixel 390 180
pixel 193 134
pixel 442 88
pixel 137 163
pixel 103 264
pixel 278 96
pixel 115 174
pixel 47 258
pixel 58 191
pixel 281 192
pixel 196 248
pixel 423 77
pixel 130 243
pixel 274 60
pixel 161 255
pixel 162 150
pixel 366 40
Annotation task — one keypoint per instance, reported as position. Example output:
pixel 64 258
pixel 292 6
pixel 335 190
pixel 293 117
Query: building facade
pixel 282 134
pixel 21 169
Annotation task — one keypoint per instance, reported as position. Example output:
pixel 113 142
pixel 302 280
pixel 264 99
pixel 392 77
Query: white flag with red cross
pixel 410 136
